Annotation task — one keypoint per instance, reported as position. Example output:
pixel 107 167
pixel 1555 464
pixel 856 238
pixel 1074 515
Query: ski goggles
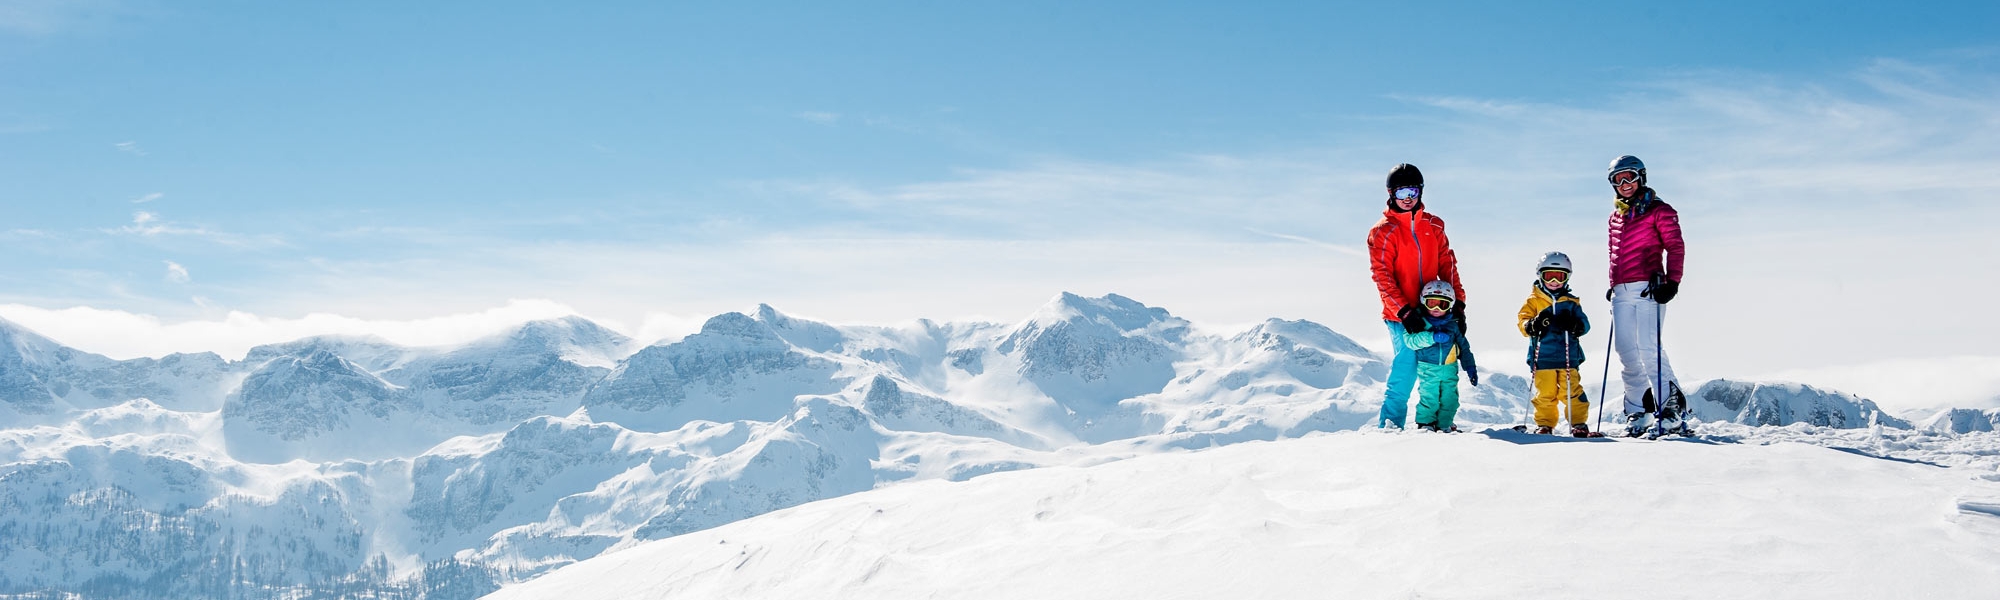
pixel 1435 303
pixel 1554 276
pixel 1624 177
pixel 1409 193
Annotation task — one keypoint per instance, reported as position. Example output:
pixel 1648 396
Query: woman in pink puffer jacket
pixel 1646 257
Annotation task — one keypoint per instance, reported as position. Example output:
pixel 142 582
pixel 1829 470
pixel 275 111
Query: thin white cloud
pixel 150 225
pixel 819 117
pixel 130 148
pixel 177 273
pixel 148 198
pixel 46 17
pixel 122 334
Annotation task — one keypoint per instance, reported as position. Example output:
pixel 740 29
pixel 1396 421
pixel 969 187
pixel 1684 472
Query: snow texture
pixel 1362 515
pixel 338 467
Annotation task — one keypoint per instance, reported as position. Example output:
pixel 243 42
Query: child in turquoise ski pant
pixel 1439 351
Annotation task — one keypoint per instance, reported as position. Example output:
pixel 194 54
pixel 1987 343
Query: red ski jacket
pixel 1404 257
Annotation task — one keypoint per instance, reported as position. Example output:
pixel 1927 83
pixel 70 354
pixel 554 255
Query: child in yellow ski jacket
pixel 1553 319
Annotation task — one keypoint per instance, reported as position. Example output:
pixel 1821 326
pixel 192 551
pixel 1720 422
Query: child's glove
pixel 1412 318
pixel 1562 321
pixel 1472 375
pixel 1537 326
pixel 1458 312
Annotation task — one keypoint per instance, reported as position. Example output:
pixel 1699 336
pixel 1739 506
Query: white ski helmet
pixel 1440 289
pixel 1554 260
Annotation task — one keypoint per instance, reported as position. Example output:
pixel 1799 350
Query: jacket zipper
pixel 1420 254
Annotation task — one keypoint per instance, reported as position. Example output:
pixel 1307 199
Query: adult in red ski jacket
pixel 1406 250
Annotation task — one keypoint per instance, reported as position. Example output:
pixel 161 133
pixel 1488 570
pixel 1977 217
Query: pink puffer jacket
pixel 1640 235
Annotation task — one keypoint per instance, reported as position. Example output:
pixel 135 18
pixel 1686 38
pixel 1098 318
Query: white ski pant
pixel 1639 321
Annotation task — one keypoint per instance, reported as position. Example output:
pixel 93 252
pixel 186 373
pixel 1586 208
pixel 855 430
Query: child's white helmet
pixel 1440 289
pixel 1554 260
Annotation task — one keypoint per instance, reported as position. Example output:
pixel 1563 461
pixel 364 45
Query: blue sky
pixel 208 175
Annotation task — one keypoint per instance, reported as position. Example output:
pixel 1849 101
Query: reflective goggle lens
pixel 1554 276
pixel 1438 303
pixel 1624 177
pixel 1409 193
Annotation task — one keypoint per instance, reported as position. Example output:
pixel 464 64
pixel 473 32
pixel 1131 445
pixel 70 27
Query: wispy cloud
pixel 131 148
pixel 819 117
pixel 46 17
pixel 149 225
pixel 148 198
pixel 123 334
pixel 177 273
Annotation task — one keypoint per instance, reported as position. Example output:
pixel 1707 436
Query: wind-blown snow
pixel 1358 515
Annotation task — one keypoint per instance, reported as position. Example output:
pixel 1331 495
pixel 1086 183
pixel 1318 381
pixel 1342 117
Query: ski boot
pixel 1432 427
pixel 1671 423
pixel 1583 431
pixel 1638 424
pixel 1544 430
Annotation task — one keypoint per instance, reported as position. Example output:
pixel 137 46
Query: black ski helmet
pixel 1407 175
pixel 1626 163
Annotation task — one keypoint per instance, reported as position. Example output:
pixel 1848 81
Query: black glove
pixel 1412 318
pixel 1458 312
pixel 1607 294
pixel 1563 321
pixel 1664 292
pixel 1661 289
pixel 1473 376
pixel 1539 324
pixel 1576 327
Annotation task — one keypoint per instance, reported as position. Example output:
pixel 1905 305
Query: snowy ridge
pixel 1784 403
pixel 365 468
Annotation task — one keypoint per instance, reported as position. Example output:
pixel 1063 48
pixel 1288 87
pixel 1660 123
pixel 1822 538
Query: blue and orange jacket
pixel 1458 350
pixel 1554 349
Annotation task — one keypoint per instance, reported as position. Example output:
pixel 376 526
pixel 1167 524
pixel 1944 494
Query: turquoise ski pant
pixel 1437 394
pixel 1402 377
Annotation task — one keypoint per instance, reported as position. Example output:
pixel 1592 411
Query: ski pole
pixel 1564 373
pixel 1659 384
pixel 1605 384
pixel 1534 354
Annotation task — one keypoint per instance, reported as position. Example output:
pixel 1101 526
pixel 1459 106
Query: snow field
pixel 1358 515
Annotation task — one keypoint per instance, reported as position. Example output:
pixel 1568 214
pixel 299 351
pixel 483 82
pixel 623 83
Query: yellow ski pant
pixel 1551 385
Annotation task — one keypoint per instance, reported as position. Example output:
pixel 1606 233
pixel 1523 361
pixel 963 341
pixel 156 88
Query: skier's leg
pixel 1546 390
pixel 1668 384
pixel 1447 414
pixel 1633 337
pixel 1429 391
pixel 1402 377
pixel 1579 407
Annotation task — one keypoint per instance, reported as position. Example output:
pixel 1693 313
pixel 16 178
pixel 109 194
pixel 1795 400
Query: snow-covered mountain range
pixel 333 467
